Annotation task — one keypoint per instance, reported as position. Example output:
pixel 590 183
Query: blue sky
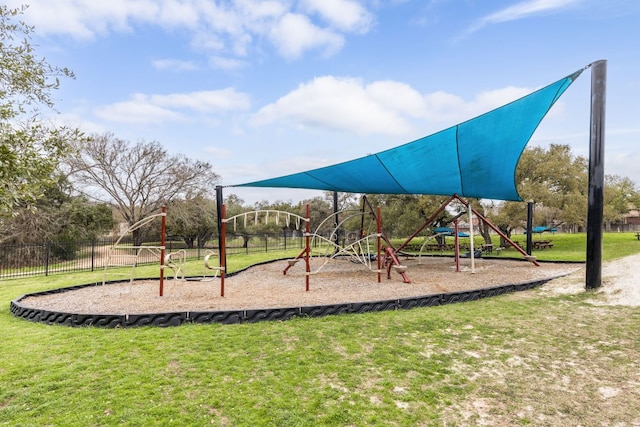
pixel 266 88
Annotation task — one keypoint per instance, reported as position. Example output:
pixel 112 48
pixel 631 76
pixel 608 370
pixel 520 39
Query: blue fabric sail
pixel 476 158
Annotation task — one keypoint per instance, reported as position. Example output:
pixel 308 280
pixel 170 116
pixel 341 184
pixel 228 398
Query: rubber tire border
pixel 249 316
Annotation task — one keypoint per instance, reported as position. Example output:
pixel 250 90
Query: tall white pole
pixel 473 260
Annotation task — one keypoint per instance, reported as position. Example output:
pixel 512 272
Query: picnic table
pixel 488 248
pixel 520 245
pixel 542 244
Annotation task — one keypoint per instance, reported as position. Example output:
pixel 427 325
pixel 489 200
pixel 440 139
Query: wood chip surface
pixel 265 286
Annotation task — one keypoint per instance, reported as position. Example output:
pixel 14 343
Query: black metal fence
pixel 69 255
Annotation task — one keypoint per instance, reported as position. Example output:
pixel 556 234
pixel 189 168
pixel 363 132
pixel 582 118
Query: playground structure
pixel 364 248
pixel 464 160
pixel 256 215
pixel 476 158
pixel 176 260
pixel 360 250
pixel 471 212
pixel 121 256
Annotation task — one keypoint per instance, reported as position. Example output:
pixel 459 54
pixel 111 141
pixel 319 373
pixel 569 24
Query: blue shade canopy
pixel 476 158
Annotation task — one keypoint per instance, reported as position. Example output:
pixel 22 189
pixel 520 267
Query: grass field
pixel 566 247
pixel 519 359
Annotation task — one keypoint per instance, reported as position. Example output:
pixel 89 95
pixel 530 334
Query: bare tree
pixel 138 178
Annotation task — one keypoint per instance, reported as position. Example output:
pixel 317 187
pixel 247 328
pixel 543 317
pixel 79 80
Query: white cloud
pixel 229 64
pixel 382 107
pixel 84 19
pixel 397 96
pixel 138 111
pixel 219 28
pixel 75 119
pixel 176 13
pixel 177 107
pixel 443 107
pixel 174 64
pixel 346 15
pixel 204 101
pixel 261 10
pixel 342 104
pixel 295 34
pixel 217 152
pixel 522 10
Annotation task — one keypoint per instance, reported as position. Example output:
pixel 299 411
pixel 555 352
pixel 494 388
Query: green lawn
pixel 572 247
pixel 566 247
pixel 519 359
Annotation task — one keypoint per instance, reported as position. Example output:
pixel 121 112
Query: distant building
pixel 631 220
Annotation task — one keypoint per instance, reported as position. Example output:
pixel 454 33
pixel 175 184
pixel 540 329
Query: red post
pixel 223 248
pixel 163 232
pixel 394 261
pixel 497 230
pixel 308 247
pixel 379 222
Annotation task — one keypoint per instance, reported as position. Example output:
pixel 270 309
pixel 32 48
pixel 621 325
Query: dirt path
pixel 620 283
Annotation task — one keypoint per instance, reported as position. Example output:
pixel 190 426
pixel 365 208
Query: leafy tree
pixel 403 214
pixel 29 150
pixel 137 178
pixel 506 216
pixel 194 219
pixel 557 182
pixel 320 208
pixel 267 224
pixel 620 194
pixel 235 205
pixel 58 216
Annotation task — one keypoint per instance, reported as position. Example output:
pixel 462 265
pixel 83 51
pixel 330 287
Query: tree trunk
pixel 188 241
pixel 485 231
pixel 507 232
pixel 137 237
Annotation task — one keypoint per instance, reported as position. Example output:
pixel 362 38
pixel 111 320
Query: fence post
pixel 93 253
pixel 284 232
pixel 46 259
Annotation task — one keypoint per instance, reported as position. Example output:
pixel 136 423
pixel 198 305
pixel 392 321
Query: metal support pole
pixel 596 175
pixel 307 240
pixel 336 221
pixel 529 227
pixel 456 230
pixel 222 231
pixel 472 249
pixel 379 243
pixel 222 250
pixel 219 203
pixel 163 232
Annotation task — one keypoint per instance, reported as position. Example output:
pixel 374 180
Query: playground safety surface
pixel 263 292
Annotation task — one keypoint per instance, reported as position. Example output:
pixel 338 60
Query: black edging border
pixel 249 316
